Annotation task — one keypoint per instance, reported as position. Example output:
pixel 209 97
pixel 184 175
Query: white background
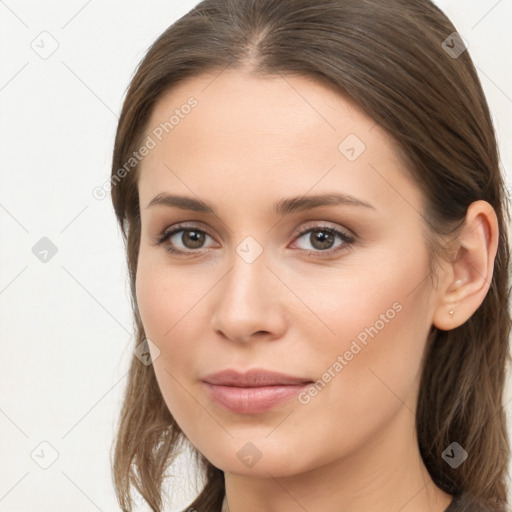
pixel 66 324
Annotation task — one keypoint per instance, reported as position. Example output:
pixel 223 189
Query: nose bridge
pixel 248 302
pixel 246 285
pixel 248 268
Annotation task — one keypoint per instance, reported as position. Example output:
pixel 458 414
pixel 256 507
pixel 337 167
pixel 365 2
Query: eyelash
pixel 347 239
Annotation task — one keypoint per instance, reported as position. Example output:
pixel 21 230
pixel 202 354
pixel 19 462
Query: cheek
pixel 381 321
pixel 166 299
pixel 166 314
pixel 369 370
pixel 163 312
pixel 152 301
pixel 172 309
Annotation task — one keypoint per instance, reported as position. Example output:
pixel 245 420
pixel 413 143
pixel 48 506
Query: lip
pixel 254 391
pixel 256 377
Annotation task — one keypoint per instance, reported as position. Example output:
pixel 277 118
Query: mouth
pixel 254 391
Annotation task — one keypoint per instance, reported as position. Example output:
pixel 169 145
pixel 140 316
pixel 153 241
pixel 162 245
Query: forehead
pixel 236 103
pixel 219 131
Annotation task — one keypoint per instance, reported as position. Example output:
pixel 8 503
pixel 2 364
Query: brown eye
pixel 192 239
pixel 189 237
pixel 323 238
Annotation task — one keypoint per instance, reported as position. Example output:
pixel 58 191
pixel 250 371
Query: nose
pixel 249 302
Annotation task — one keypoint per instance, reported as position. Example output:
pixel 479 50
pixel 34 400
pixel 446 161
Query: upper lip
pixel 255 377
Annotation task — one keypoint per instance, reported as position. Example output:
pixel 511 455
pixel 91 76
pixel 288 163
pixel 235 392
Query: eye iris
pixel 324 238
pixel 196 237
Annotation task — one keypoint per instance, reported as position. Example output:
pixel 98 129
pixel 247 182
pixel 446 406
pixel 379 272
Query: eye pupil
pixel 324 238
pixel 196 237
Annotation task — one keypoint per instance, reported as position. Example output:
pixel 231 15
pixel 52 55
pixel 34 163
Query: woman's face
pixel 347 304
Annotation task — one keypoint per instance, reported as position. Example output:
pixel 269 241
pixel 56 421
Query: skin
pixel 249 143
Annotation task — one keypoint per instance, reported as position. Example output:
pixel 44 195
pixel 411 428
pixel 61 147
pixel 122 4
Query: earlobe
pixel 470 272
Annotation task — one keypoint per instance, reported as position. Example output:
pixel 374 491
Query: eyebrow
pixel 282 207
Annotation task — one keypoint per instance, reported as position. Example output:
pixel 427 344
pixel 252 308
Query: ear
pixel 470 273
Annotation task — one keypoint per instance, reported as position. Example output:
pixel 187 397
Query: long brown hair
pixel 395 59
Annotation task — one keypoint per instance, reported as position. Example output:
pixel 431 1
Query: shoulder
pixel 467 503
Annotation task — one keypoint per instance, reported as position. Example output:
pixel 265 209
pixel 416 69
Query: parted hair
pixel 395 60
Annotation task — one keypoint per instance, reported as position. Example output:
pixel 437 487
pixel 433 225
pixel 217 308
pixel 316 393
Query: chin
pixel 258 458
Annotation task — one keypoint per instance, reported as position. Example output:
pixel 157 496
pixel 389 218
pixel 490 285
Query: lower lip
pixel 253 400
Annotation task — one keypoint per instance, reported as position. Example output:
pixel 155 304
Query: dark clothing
pixel 464 503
